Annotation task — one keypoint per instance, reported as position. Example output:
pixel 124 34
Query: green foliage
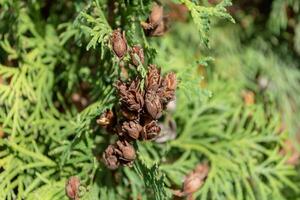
pixel 279 18
pixel 152 180
pixel 202 16
pixel 97 27
pixel 46 58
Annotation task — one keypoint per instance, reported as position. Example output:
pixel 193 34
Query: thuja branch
pixel 31 154
pixel 202 16
pixel 181 144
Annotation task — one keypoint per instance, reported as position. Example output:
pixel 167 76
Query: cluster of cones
pixel 135 118
pixel 141 103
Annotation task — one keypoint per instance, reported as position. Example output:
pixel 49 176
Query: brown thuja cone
pixel 153 104
pixel 153 79
pixel 110 158
pixel 167 91
pixel 130 95
pixel 156 23
pixel 119 153
pixel 150 131
pixel 72 188
pixel 195 179
pixel 170 81
pixel 131 129
pixel 126 152
pixel 119 43
pixel 156 16
pixel 107 119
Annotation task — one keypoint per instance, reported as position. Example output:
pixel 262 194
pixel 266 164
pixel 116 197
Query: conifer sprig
pixel 46 139
pixel 202 16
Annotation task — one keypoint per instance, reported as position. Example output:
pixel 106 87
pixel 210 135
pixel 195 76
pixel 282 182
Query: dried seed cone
pixel 110 158
pixel 167 91
pixel 106 119
pixel 154 19
pixel 125 151
pixel 153 104
pixel 153 79
pixel 119 43
pixel 119 153
pixel 72 188
pixel 137 51
pixel 192 184
pixel 170 81
pixel 130 96
pixel 156 23
pixel 156 15
pixel 131 129
pixel 195 179
pixel 150 131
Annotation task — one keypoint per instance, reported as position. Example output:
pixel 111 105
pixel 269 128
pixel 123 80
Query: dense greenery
pixel 237 101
